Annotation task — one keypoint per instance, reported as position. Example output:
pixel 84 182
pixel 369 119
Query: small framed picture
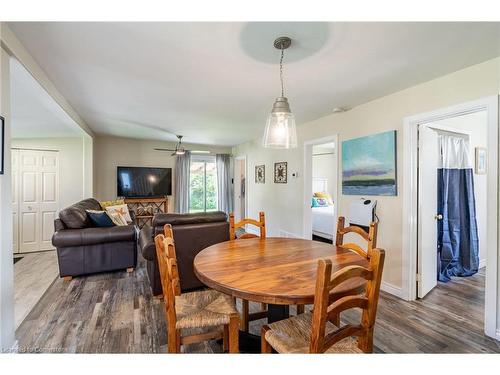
pixel 260 174
pixel 2 145
pixel 280 172
pixel 481 160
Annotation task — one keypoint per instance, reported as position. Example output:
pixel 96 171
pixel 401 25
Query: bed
pixel 323 221
pixel 323 218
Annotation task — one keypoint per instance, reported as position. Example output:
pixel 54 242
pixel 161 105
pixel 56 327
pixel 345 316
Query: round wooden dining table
pixel 276 271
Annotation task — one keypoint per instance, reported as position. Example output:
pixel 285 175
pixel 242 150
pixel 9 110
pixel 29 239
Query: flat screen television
pixel 143 182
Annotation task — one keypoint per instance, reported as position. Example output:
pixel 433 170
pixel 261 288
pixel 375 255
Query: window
pixel 203 184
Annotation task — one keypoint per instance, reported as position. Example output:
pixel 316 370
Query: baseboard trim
pixel 391 289
pixel 482 263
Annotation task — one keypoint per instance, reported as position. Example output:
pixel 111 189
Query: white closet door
pixel 49 193
pixel 38 198
pixel 428 164
pixel 15 200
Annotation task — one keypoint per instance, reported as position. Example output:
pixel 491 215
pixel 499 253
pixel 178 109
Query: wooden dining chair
pixel 313 332
pixel 199 309
pixel 246 316
pixel 370 237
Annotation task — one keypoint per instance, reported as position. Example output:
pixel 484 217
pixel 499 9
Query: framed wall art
pixel 260 174
pixel 369 165
pixel 280 172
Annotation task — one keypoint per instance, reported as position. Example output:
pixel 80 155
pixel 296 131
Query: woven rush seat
pixel 203 308
pixel 293 335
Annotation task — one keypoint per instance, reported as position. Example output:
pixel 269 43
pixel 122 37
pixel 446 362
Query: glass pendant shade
pixel 280 128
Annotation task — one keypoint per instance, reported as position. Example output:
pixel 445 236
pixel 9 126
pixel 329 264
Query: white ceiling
pixel 34 113
pixel 215 82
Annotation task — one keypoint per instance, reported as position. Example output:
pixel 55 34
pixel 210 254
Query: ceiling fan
pixel 179 148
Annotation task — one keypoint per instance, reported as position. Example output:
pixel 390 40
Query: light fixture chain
pixel 281 72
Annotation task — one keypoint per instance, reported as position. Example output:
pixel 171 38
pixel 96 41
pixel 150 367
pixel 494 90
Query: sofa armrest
pixel 92 236
pixel 147 243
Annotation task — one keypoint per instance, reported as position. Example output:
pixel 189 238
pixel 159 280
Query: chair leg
pixel 234 323
pixel 68 278
pixel 174 341
pixel 244 315
pixel 264 345
pixel 365 343
pixel 225 338
pixel 300 309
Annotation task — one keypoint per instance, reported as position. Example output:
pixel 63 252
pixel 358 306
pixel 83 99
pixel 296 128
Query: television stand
pixel 145 208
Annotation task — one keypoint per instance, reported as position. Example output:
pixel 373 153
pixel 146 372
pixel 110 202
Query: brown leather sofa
pixel 83 249
pixel 192 233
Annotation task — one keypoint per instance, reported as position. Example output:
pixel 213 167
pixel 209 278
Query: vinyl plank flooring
pixel 33 275
pixel 116 313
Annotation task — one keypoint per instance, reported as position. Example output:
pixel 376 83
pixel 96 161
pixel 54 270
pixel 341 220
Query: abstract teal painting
pixel 369 165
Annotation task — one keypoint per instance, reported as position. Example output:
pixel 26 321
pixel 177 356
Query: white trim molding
pixel 410 201
pixel 391 289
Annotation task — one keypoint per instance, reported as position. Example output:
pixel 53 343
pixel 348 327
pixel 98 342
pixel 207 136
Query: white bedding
pixel 323 221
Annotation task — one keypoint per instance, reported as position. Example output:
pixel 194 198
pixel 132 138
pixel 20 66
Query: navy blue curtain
pixel 458 243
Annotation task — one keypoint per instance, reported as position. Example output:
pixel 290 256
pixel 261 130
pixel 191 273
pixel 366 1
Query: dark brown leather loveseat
pixel 83 249
pixel 192 233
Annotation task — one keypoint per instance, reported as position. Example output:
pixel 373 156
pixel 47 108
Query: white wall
pixel 6 264
pixel 323 166
pixel 477 125
pixel 110 152
pixel 283 203
pixel 71 165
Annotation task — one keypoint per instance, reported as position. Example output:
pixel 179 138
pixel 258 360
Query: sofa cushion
pixel 91 236
pixel 185 219
pixel 75 216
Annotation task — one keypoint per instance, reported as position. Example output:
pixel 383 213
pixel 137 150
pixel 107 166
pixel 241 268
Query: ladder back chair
pixel 199 309
pixel 370 237
pixel 246 317
pixel 313 332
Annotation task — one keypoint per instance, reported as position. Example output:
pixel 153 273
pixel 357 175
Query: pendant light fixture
pixel 280 128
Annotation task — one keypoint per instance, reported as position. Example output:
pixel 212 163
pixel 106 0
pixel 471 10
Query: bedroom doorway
pixel 320 189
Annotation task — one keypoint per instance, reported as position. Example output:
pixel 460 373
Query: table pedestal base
pixel 250 343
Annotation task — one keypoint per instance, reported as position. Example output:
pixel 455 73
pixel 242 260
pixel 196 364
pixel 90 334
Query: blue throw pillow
pixel 100 219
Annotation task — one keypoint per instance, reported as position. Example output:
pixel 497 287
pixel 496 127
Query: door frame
pixel 307 214
pixel 236 159
pixel 410 201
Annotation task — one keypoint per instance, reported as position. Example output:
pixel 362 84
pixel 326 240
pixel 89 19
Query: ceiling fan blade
pixel 173 153
pixel 163 149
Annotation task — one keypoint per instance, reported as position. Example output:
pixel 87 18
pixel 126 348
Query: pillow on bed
pixel 325 195
pixel 319 202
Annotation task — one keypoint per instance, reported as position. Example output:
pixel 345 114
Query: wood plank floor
pixel 115 313
pixel 33 275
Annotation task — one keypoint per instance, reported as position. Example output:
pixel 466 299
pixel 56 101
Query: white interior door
pixel 49 196
pixel 38 198
pixel 428 163
pixel 15 200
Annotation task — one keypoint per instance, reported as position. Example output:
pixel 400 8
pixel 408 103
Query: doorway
pixel 240 188
pixel 321 189
pixel 434 179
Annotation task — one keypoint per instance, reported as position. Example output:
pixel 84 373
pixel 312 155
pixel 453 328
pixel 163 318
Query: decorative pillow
pixel 121 209
pixel 319 202
pixel 325 195
pixel 116 202
pixel 100 218
pixel 117 218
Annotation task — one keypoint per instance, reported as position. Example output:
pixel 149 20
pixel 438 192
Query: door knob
pixel 438 217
